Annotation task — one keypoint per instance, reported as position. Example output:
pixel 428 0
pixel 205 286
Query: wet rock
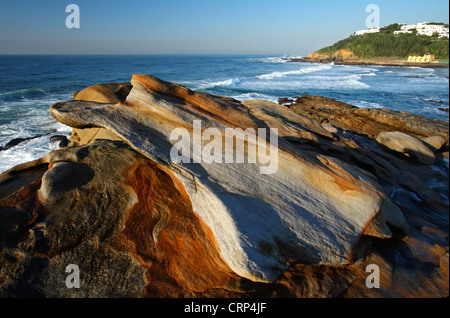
pixel 58 141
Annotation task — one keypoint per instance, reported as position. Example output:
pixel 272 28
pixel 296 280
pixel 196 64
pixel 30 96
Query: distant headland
pixel 422 44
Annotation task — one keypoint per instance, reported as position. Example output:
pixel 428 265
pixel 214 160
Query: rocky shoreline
pixel 369 62
pixel 354 187
pixel 346 57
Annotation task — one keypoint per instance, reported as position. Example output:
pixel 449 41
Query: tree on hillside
pixel 391 28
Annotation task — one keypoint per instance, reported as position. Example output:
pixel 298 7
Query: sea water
pixel 29 85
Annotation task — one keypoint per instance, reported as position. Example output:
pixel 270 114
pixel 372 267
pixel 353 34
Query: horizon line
pixel 116 54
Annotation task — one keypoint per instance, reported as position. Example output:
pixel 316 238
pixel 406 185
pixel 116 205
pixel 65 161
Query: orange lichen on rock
pixel 177 248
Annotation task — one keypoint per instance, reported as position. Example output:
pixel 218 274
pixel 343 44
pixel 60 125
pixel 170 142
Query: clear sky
pixel 197 26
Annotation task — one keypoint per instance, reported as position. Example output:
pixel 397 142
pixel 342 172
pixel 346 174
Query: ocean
pixel 29 85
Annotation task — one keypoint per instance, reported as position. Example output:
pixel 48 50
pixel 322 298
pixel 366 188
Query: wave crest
pixel 23 93
pixel 228 82
pixel 274 75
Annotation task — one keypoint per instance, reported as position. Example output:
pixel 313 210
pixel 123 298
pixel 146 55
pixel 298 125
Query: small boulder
pixel 111 93
pixel 407 146
pixel 435 142
pixel 63 177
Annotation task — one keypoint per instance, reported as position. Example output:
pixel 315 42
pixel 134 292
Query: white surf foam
pixel 30 149
pixel 276 60
pixel 247 96
pixel 368 74
pixel 306 70
pixel 362 103
pixel 29 117
pixel 226 83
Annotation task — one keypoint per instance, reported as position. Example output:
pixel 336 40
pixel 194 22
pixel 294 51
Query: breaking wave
pixel 276 59
pixel 274 75
pixel 229 82
pixel 23 93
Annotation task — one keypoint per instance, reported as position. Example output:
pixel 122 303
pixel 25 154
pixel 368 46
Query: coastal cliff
pixel 352 188
pixel 382 48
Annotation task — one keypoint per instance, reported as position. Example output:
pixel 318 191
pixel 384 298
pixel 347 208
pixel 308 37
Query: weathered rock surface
pixel 260 230
pixel 368 121
pixel 141 225
pixel 319 57
pixel 114 214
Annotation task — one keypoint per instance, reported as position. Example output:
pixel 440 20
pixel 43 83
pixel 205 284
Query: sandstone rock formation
pixel 324 194
pixel 344 55
pixel 139 224
pixel 340 56
pixel 368 121
pixel 319 57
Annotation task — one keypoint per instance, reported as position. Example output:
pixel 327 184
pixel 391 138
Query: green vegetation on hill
pixel 387 44
pixel 391 28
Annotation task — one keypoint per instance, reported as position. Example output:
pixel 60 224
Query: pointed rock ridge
pixel 226 111
pixel 311 209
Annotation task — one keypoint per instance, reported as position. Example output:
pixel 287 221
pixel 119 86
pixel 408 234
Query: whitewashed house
pixel 361 32
pixel 424 28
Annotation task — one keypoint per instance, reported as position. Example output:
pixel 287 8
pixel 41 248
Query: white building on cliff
pixel 361 32
pixel 424 28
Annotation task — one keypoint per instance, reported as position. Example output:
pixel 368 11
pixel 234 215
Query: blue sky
pixel 196 26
